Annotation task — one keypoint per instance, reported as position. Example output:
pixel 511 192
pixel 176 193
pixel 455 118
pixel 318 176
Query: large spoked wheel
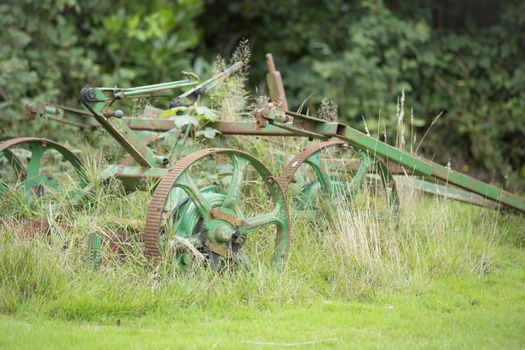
pixel 338 172
pixel 36 166
pixel 212 218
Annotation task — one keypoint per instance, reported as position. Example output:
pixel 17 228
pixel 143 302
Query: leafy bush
pixel 464 58
pixel 52 48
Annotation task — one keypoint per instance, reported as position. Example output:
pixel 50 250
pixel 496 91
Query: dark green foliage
pixel 52 48
pixel 464 58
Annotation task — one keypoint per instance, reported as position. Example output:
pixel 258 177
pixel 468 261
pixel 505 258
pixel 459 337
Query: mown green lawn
pixel 486 312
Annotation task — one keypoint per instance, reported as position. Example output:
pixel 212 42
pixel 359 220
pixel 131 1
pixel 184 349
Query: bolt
pixel 270 180
pixel 117 114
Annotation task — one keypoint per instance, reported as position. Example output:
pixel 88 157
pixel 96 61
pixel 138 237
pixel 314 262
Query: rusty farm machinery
pixel 211 218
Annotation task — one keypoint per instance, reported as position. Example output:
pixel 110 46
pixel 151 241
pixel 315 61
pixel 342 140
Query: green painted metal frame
pixel 268 122
pixel 414 165
pixel 211 206
pixel 30 173
pixel 134 135
pixel 99 100
pixel 302 126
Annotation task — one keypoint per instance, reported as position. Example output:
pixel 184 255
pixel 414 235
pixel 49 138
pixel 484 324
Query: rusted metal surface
pixel 226 128
pixel 62 114
pixel 275 83
pixel 115 238
pixel 378 160
pixel 217 214
pixel 150 124
pixel 31 229
pixel 287 175
pixel 150 236
pixel 251 128
pixel 154 220
pixel 20 140
pixel 225 252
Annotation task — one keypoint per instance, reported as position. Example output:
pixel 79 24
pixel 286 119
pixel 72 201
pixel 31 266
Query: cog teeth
pixel 287 176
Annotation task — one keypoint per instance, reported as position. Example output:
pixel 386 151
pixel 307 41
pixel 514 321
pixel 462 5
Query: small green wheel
pixel 212 217
pixel 37 165
pixel 337 171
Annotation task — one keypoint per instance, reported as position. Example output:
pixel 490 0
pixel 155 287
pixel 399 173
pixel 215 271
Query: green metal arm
pixel 95 101
pixel 147 90
pixel 415 165
pixel 214 81
pixel 99 100
pixel 104 96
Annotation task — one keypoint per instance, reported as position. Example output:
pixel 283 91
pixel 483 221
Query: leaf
pixel 20 38
pixel 184 120
pixel 208 133
pixel 168 113
pixel 133 22
pixel 206 113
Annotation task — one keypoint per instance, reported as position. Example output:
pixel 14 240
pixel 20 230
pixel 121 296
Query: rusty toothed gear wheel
pixel 212 219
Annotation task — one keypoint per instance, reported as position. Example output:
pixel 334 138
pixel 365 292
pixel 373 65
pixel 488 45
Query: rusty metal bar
pixel 66 115
pixel 275 84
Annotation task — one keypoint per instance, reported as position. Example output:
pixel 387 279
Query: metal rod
pixel 410 162
pixel 152 88
pixel 160 85
pixel 210 83
pixel 427 168
pixel 94 100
